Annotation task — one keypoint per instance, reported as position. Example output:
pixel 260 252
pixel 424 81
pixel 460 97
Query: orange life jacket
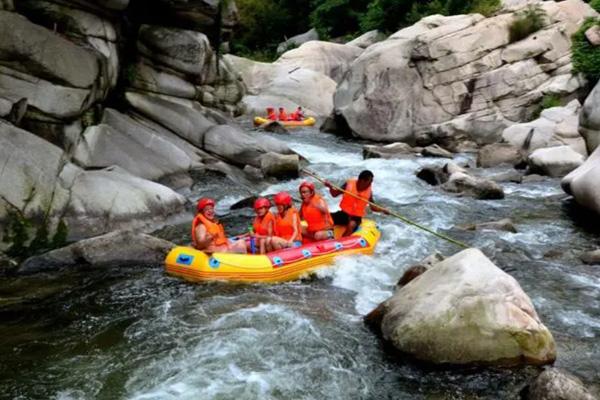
pixel 215 229
pixel 272 116
pixel 284 227
pixel 351 205
pixel 261 225
pixel 316 220
pixel 283 115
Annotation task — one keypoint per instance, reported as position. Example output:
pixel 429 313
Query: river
pixel 136 333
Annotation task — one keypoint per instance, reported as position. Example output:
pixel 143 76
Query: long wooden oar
pixel 387 210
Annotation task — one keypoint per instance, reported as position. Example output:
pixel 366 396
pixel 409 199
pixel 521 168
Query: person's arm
pixel 333 191
pixel 322 206
pixel 377 209
pixel 270 228
pixel 203 238
pixel 296 232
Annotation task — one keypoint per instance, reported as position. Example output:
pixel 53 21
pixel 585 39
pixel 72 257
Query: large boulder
pixel 392 150
pixel 455 179
pixel 297 40
pixel 496 154
pixel 122 141
pixel 582 183
pixel 553 384
pixel 556 126
pixel 589 119
pixel 465 310
pixel 115 248
pixel 280 165
pixel 554 161
pixel 273 85
pixel 367 39
pixel 146 78
pixel 328 58
pixel 459 75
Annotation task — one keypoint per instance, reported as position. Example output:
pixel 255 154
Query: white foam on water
pixel 587 325
pixel 532 190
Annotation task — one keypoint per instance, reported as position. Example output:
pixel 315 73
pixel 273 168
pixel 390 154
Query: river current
pixel 136 333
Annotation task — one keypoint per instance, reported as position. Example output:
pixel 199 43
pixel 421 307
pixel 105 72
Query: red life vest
pixel 316 220
pixel 351 205
pixel 284 227
pixel 272 116
pixel 261 225
pixel 283 115
pixel 215 229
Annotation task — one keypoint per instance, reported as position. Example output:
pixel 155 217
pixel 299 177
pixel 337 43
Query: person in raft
pixel 271 115
pixel 282 114
pixel 264 223
pixel 208 234
pixel 288 232
pixel 352 209
pixel 315 212
pixel 297 115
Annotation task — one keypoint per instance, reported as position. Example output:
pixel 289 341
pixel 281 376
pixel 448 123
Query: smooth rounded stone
pixel 418 269
pixel 465 310
pixel 230 92
pixel 280 165
pixel 186 118
pixel 40 52
pixel 589 119
pixel 394 150
pixel 593 35
pixel 53 100
pixel 479 188
pixel 105 200
pixel 496 154
pixel 297 40
pixel 436 151
pixel 183 50
pixel 146 78
pixel 554 161
pixel 116 248
pixel 505 224
pixel 367 39
pixel 554 384
pixel 132 146
pixel 68 20
pixel 30 177
pixel 239 147
pixel 328 58
pixel 274 127
pixel 591 257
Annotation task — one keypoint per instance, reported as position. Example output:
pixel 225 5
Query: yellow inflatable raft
pixel 310 121
pixel 279 266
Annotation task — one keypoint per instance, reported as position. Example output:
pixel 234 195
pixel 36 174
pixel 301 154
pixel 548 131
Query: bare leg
pixel 349 228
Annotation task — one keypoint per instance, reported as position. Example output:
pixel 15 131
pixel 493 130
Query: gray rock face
pixel 297 40
pixel 280 165
pixel 554 161
pixel 496 154
pixel 589 119
pixel 593 35
pixel 148 79
pixel 459 74
pixel 582 183
pixel 478 188
pixel 394 150
pixel 115 248
pixel 553 384
pixel 465 310
pixel 367 39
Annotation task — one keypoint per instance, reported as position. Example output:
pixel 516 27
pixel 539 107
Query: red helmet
pixel 307 184
pixel 262 202
pixel 203 203
pixel 283 199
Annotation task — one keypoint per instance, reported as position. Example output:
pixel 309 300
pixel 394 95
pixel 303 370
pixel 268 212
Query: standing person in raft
pixel 208 233
pixel 315 212
pixel 352 209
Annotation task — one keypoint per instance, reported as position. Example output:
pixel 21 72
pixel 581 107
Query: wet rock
pixel 508 176
pixel 505 224
pixel 432 175
pixel 496 154
pixel 582 183
pixel 274 127
pixel 465 310
pixel 280 165
pixel 116 248
pixel 554 161
pixel 591 257
pixel 248 202
pixel 436 151
pixel 394 150
pixel 297 40
pixel 589 119
pixel 478 188
pixel 253 172
pixel 418 269
pixel 554 384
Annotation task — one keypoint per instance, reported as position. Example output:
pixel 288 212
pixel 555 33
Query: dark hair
pixel 365 175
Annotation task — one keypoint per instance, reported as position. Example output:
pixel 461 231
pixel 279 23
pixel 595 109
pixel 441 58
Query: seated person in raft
pixel 208 233
pixel 263 224
pixel 288 232
pixel 314 210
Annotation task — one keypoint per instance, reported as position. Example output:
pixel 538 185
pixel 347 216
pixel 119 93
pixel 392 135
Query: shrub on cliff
pixel 595 5
pixel 526 22
pixel 586 57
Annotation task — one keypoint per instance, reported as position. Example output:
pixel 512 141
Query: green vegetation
pixel 549 101
pixel 586 58
pixel 266 23
pixel 17 233
pixel 595 5
pixel 531 20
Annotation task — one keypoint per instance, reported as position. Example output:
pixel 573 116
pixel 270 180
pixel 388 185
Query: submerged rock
pixel 115 248
pixel 275 127
pixel 553 384
pixel 465 310
pixel 436 151
pixel 479 188
pixel 394 150
pixel 505 224
pixel 591 257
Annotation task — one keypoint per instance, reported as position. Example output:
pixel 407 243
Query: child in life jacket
pixel 288 232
